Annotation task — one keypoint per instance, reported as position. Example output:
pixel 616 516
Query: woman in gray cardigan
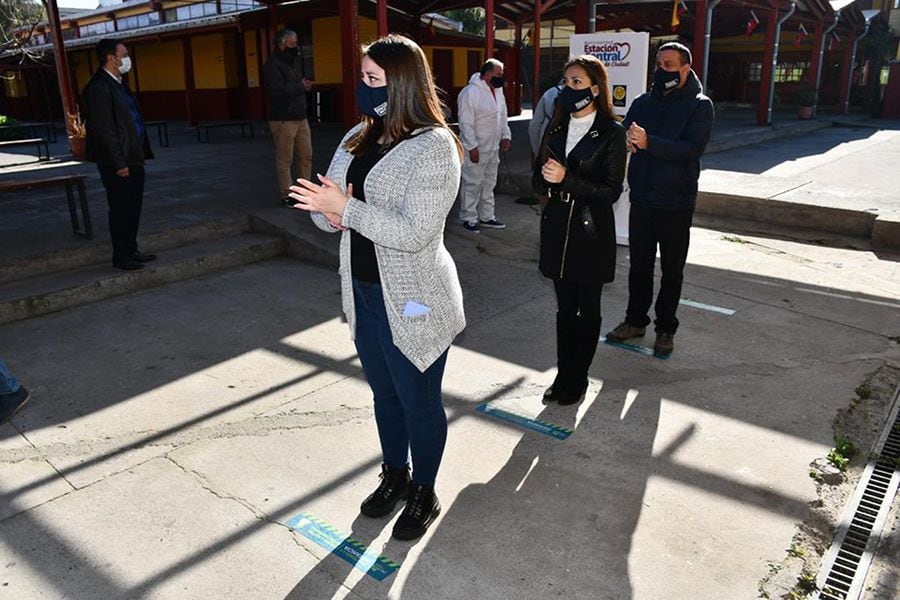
pixel 389 189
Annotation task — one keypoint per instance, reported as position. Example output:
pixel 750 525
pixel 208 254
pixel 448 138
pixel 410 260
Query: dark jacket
pixel 112 135
pixel 283 80
pixel 578 231
pixel 678 126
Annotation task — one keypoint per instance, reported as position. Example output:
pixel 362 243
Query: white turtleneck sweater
pixel 578 126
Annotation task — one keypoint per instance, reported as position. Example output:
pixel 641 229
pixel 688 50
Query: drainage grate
pixel 847 562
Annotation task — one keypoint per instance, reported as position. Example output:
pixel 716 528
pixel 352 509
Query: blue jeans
pixel 409 412
pixel 8 383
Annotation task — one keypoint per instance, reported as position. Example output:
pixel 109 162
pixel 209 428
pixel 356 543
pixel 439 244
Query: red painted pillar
pixel 189 84
pixel 846 71
pixel 699 38
pixel 488 29
pixel 536 63
pixel 762 112
pixel 70 106
pixel 349 9
pixel 517 92
pixel 382 18
pixel 581 16
pixel 814 59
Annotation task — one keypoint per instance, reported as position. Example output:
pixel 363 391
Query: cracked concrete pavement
pixel 173 432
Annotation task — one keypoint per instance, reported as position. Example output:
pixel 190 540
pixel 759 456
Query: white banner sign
pixel 626 58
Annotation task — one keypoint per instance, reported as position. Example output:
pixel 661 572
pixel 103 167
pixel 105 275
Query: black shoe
pixel 11 403
pixel 128 264
pixel 573 393
pixel 556 390
pixel 665 343
pixel 142 258
pixel 394 487
pixel 422 508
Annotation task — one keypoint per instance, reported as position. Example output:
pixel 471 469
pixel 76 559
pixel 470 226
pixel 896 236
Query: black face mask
pixel 666 81
pixel 575 100
pixel 497 82
pixel 292 51
pixel 372 101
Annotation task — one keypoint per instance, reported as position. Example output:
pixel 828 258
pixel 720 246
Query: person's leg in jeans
pixel 642 251
pixel 389 415
pixel 119 202
pixel 303 150
pixel 674 240
pixel 8 383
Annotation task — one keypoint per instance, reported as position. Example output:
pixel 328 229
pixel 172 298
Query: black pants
pixel 125 196
pixel 671 230
pixel 577 331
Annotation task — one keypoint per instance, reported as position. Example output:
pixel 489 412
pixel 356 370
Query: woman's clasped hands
pixel 326 198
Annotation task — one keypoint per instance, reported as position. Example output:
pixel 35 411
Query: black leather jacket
pixel 283 80
pixel 112 136
pixel 578 233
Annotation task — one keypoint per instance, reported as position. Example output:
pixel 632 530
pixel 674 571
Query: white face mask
pixel 125 66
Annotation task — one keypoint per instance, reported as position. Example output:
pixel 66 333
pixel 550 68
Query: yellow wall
pixel 460 62
pixel 14 83
pixel 160 67
pixel 250 58
pixel 81 63
pixel 326 38
pixel 215 61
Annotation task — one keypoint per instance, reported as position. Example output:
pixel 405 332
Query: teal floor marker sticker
pixel 544 427
pixel 643 350
pixel 346 548
pixel 709 307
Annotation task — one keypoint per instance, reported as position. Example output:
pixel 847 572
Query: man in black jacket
pixel 286 88
pixel 668 128
pixel 117 142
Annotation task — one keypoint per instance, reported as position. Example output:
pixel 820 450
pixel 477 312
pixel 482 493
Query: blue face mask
pixel 372 101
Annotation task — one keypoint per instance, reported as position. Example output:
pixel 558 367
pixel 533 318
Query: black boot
pixel 394 486
pixel 565 356
pixel 587 336
pixel 422 508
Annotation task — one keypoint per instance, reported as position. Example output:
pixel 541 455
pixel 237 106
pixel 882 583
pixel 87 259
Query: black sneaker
pixel 422 508
pixel 473 227
pixel 11 403
pixel 665 343
pixel 394 487
pixel 128 264
pixel 492 224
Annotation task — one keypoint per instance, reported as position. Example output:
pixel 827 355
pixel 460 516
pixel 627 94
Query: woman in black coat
pixel 579 171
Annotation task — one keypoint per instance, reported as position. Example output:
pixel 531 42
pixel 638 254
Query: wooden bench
pixel 162 131
pixel 205 127
pixel 41 143
pixel 71 183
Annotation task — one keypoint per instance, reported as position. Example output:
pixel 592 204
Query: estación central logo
pixel 608 51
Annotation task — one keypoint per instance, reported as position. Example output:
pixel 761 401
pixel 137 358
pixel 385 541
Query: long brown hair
pixel 412 96
pixel 596 71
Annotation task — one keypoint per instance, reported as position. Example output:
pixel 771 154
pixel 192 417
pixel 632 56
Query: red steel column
pixel 349 9
pixel 699 38
pixel 536 47
pixel 381 11
pixel 189 84
pixel 581 17
pixel 488 29
pixel 70 106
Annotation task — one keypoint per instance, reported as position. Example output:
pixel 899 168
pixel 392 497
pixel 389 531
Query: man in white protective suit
pixel 484 131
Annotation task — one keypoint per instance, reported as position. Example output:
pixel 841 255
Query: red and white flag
pixel 802 34
pixel 752 24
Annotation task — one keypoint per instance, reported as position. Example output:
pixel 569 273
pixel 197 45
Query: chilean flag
pixel 752 24
pixel 802 34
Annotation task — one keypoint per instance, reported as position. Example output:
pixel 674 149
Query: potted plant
pixel 806 99
pixel 77 135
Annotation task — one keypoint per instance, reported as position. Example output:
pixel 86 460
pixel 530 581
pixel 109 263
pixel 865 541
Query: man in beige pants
pixel 286 88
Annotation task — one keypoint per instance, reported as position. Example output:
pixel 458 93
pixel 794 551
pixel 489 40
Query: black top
pixel 283 80
pixel 363 264
pixel 111 116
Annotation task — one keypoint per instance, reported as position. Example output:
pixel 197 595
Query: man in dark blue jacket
pixel 117 142
pixel 668 128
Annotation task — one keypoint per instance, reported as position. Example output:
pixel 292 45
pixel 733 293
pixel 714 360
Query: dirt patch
pixel 861 424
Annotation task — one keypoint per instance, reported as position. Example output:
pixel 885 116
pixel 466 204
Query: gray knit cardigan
pixel 409 193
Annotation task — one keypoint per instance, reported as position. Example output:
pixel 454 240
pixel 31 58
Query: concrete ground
pixel 174 432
